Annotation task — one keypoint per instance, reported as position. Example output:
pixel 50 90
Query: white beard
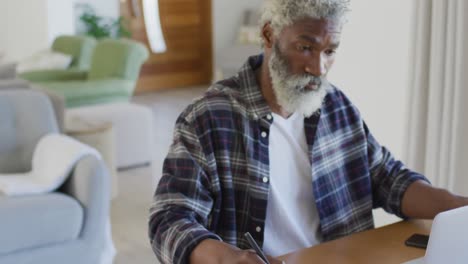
pixel 289 89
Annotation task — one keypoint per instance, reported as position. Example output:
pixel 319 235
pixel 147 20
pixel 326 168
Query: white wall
pixel 60 18
pixel 372 66
pixel 106 8
pixel 24 28
pixel 227 17
pixel 30 26
pixel 3 28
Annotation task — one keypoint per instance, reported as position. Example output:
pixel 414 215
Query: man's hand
pixel 216 252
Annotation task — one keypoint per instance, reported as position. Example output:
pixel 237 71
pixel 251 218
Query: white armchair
pixel 68 225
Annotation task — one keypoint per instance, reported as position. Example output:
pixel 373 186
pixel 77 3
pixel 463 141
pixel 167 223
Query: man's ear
pixel 267 35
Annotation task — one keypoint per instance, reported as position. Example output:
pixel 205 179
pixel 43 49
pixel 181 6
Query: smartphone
pixel 417 240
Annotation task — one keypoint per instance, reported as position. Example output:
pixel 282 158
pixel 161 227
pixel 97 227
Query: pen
pixel 255 246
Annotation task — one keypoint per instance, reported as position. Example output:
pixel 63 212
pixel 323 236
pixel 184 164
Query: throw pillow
pixel 45 60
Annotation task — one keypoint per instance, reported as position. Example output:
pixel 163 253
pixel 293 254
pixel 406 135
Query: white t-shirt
pixel 292 219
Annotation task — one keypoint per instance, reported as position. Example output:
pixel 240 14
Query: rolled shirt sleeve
pixel 390 178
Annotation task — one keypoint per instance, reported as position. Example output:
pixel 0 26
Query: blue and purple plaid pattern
pixel 212 184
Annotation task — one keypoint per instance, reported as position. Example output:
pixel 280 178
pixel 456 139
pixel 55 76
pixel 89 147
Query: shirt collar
pixel 251 90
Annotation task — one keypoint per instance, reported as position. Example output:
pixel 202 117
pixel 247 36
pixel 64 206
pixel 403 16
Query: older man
pixel 279 152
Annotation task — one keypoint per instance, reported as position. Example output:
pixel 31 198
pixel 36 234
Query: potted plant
pixel 103 27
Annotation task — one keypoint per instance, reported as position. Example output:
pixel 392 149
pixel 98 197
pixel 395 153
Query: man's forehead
pixel 333 39
pixel 316 26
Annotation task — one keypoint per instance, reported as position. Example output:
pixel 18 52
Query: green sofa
pixel 112 76
pixel 80 48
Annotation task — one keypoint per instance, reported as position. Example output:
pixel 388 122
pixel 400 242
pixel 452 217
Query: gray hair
pixel 282 13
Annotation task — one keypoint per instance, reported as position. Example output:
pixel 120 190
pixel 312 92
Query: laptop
pixel 448 242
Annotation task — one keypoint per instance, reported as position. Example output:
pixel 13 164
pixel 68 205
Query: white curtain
pixel 437 143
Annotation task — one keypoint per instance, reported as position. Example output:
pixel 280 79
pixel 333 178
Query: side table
pixel 99 135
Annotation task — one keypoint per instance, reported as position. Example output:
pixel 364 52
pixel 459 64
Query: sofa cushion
pixel 34 221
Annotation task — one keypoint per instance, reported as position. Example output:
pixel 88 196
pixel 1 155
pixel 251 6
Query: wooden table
pixel 381 245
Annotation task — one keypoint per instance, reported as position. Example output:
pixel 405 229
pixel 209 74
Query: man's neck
pixel 262 75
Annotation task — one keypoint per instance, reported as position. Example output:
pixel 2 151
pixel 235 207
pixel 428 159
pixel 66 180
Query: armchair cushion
pixel 34 221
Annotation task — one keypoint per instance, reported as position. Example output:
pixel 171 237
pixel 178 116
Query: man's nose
pixel 316 66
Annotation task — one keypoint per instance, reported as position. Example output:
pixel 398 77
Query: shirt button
pixel 264 134
pixel 269 117
pixel 258 229
pixel 265 179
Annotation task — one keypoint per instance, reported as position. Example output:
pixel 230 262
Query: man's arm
pixel 404 192
pixel 421 200
pixel 390 178
pixel 183 199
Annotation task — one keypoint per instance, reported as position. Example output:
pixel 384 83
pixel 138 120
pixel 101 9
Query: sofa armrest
pixel 90 185
pixel 54 75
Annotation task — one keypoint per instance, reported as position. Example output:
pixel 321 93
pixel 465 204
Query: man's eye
pixel 330 52
pixel 304 48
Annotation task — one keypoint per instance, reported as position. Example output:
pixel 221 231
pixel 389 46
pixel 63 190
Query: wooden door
pixel 187 29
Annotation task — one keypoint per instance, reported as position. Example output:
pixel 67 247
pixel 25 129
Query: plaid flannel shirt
pixel 213 177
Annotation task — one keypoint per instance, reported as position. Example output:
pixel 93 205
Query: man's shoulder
pixel 338 107
pixel 336 98
pixel 220 98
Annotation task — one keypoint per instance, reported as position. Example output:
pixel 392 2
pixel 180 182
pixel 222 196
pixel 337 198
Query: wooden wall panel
pixel 187 28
